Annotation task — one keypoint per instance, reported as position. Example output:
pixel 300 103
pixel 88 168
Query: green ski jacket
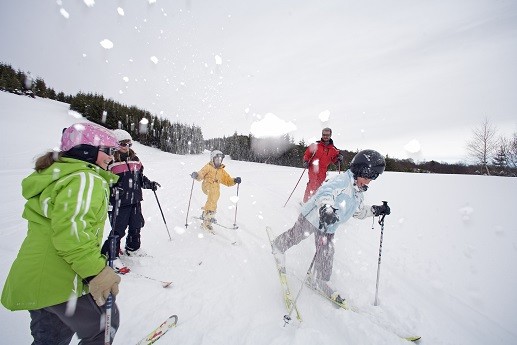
pixel 66 208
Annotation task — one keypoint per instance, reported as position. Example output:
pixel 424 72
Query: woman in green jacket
pixel 59 275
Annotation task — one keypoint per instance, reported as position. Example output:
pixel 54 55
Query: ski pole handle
pixel 381 219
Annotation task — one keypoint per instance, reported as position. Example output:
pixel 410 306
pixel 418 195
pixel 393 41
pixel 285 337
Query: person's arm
pixel 203 172
pixel 78 209
pixel 326 194
pixel 310 152
pixel 338 157
pixel 226 179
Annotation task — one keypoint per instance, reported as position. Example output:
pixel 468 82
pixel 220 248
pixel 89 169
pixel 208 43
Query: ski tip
pixel 414 338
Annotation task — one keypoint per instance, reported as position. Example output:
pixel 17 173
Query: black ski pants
pixel 128 217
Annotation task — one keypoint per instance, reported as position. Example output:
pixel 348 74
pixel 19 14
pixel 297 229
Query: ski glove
pixel 103 284
pixel 237 180
pixel 116 192
pixel 381 210
pixel 340 158
pixel 305 164
pixel 327 216
pixel 194 175
pixel 154 185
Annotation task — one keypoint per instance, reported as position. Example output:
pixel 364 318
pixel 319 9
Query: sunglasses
pixel 125 144
pixel 108 150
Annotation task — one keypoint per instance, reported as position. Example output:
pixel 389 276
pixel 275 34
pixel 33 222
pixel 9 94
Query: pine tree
pixel 500 160
pixel 40 88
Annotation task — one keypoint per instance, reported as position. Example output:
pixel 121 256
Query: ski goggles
pixel 125 144
pixel 368 173
pixel 108 150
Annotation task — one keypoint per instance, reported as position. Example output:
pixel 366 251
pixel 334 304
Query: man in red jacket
pixel 317 158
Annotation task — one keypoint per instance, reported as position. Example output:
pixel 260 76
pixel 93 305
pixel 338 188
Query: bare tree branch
pixel 483 145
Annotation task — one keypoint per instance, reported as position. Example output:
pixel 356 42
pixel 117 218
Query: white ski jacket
pixel 342 194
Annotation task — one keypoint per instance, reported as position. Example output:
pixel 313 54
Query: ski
pixel 159 331
pixel 164 283
pixel 217 234
pixel 344 305
pixel 288 299
pixel 235 227
pixel 126 270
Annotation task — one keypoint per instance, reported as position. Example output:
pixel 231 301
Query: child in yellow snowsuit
pixel 212 175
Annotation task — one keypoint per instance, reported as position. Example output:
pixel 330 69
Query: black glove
pixel 237 180
pixel 327 216
pixel 194 175
pixel 340 158
pixel 381 210
pixel 305 164
pixel 154 185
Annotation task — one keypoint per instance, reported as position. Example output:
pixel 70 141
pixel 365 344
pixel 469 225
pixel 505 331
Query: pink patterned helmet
pixel 86 133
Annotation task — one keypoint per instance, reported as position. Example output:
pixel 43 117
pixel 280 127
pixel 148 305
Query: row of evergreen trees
pixel 149 129
pixel 180 138
pixel 24 84
pixel 244 148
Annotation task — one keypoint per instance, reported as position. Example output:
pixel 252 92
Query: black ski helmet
pixel 367 164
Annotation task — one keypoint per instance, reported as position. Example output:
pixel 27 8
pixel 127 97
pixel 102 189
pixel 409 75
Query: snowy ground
pixel 448 263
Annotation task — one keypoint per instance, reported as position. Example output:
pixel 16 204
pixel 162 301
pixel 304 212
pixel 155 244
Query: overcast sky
pixel 408 78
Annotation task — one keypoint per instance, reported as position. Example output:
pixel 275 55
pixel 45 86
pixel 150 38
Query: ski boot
pixel 207 221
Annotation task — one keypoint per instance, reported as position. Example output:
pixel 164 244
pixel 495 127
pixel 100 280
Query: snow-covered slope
pixel 447 271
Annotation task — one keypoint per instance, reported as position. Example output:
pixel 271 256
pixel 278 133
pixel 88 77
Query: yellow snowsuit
pixel 212 177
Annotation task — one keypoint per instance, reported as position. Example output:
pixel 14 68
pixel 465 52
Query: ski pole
pixel 381 222
pixel 287 318
pixel 112 244
pixel 235 219
pixel 295 186
pixel 188 207
pixel 310 160
pixel 163 217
